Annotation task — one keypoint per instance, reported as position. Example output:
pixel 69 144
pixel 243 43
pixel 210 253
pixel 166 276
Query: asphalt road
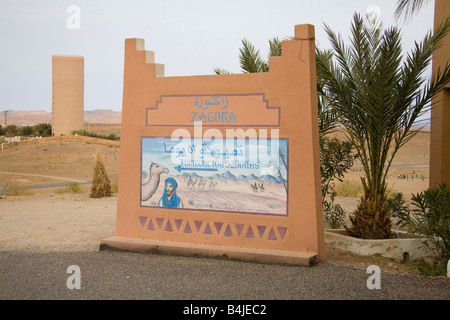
pixel 114 275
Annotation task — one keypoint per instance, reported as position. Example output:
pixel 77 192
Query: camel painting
pixel 212 185
pixel 150 186
pixel 191 183
pixel 201 184
pixel 261 187
pixel 257 187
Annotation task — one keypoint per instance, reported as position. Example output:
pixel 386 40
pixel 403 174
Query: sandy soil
pixel 63 222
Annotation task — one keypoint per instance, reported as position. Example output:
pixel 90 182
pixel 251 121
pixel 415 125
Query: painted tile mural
pixel 234 175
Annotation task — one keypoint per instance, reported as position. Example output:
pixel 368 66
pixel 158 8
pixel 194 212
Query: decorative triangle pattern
pixel 272 235
pixel 178 223
pixel 282 232
pixel 187 228
pixel 207 229
pixel 218 226
pixel 239 227
pixel 150 225
pixel 275 233
pixel 261 230
pixel 198 225
pixel 250 233
pixel 159 222
pixel 142 220
pixel 168 226
pixel 228 232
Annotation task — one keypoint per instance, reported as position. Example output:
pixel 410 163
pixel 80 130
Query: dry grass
pixel 349 188
pixel 72 187
pixel 56 160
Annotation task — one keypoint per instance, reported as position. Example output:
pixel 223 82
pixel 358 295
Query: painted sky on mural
pixel 188 37
pixel 208 157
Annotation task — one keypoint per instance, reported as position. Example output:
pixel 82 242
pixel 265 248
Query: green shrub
pixel 336 159
pixel 43 129
pixel 333 213
pixel 15 190
pixel 435 268
pixel 429 217
pixel 397 205
pixel 12 130
pixel 26 131
pixel 73 187
pixel 112 136
pixel 85 133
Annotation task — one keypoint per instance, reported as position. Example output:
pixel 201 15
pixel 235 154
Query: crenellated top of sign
pixel 231 110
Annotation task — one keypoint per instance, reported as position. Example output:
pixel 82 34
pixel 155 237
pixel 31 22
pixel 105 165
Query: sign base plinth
pixel 185 249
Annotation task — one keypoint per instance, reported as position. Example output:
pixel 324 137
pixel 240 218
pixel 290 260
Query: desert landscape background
pixel 59 160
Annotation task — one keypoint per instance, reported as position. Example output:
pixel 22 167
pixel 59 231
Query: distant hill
pixel 225 175
pixel 249 177
pixel 25 118
pixel 32 117
pixel 103 116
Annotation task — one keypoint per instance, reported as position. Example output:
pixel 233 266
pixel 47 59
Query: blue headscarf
pixel 174 200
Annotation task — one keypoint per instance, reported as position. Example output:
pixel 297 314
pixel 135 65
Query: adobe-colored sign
pixel 222 165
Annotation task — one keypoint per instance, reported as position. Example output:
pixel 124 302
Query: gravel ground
pixel 125 275
pixel 41 236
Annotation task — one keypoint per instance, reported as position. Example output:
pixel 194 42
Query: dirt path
pixel 42 176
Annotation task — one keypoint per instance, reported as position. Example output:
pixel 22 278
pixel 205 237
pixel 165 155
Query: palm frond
pixel 275 47
pixel 327 115
pixel 250 58
pixel 221 71
pixel 407 8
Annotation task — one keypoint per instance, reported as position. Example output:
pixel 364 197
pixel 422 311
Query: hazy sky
pixel 189 37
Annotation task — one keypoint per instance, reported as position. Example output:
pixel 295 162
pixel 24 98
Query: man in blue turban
pixel 170 198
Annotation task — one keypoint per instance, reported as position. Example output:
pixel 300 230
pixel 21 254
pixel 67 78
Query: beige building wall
pixel 67 94
pixel 440 114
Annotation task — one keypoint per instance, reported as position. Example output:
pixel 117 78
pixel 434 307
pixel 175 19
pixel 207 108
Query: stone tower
pixel 67 94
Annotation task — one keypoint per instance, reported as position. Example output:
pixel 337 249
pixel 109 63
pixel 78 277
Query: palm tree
pixel 250 58
pixel 336 156
pixel 378 97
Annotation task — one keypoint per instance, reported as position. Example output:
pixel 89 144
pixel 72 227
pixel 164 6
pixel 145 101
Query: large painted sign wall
pixel 222 164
